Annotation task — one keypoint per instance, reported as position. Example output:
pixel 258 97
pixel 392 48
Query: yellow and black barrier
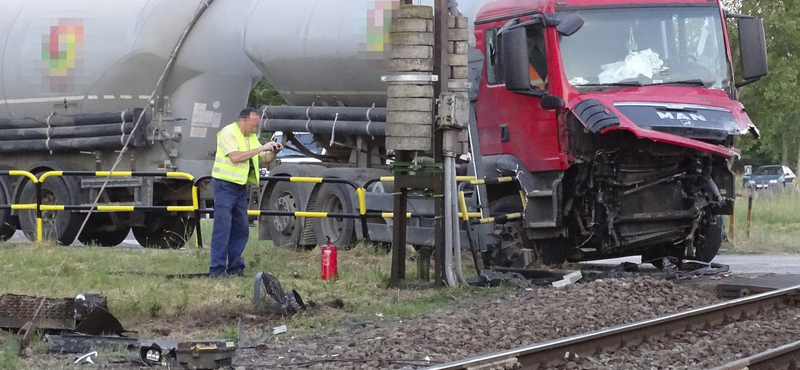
pixel 360 192
pixel 115 208
pixel 36 206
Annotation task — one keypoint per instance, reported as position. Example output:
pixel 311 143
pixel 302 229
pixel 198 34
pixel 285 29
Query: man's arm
pixel 264 152
pixel 237 157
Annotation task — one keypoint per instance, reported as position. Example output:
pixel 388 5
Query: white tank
pixel 327 52
pixel 90 56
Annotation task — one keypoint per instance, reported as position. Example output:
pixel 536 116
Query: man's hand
pixel 272 146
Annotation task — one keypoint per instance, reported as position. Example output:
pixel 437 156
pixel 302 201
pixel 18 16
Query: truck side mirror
pixel 514 60
pixel 569 25
pixel 753 48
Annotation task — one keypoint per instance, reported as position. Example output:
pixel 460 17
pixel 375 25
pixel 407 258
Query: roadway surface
pixel 740 264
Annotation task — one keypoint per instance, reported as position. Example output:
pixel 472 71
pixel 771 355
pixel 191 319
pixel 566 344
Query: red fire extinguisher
pixel 329 258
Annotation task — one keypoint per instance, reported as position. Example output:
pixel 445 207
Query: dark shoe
pixel 215 276
pixel 239 273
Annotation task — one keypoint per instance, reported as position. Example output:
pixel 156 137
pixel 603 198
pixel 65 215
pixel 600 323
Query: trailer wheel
pixel 284 230
pixel 105 238
pixel 60 226
pixel 333 198
pixel 8 223
pixel 164 232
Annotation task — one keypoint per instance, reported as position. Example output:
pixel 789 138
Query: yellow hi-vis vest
pixel 237 173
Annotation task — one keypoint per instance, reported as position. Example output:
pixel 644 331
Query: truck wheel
pixel 60 226
pixel 549 252
pixel 284 230
pixel 105 238
pixel 713 241
pixel 8 223
pixel 333 198
pixel 165 232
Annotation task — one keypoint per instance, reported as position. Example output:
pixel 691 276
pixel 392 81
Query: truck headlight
pixel 773 181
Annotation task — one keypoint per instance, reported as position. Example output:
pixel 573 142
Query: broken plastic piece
pixel 86 358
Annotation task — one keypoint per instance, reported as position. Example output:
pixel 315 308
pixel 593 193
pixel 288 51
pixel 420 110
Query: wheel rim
pixel 285 224
pixel 332 227
pixel 49 217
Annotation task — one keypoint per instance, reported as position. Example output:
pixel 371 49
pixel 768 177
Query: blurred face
pixel 249 125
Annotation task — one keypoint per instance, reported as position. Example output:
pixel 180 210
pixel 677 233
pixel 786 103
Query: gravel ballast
pixel 482 326
pixel 703 349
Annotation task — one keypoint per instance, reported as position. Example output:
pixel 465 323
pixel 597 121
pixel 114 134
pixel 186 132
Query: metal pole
pixel 399 227
pixel 732 220
pixel 441 68
pixel 749 214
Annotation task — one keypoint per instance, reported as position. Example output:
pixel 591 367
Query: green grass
pixel 145 301
pixel 8 352
pixel 775 225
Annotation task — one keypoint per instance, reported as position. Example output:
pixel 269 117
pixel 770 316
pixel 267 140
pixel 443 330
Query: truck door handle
pixel 505 134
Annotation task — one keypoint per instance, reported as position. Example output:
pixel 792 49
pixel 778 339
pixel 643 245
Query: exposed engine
pixel 634 196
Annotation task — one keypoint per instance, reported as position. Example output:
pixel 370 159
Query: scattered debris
pixel 88 314
pixel 206 355
pixel 379 314
pixel 568 279
pixel 155 353
pixel 279 329
pixel 79 343
pixel 86 358
pixel 287 303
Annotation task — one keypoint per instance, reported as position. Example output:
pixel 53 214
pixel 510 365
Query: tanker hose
pixel 455 229
pixel 449 200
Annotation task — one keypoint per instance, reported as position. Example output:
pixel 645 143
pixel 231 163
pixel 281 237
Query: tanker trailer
pixel 75 77
pixel 74 72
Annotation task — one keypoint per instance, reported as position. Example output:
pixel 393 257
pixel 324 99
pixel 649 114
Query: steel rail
pixel 785 357
pixel 552 352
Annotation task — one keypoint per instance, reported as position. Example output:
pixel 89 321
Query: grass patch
pixel 146 301
pixel 775 226
pixel 8 352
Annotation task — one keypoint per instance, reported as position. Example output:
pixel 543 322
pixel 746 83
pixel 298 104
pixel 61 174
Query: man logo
pixel 687 123
pixel 682 116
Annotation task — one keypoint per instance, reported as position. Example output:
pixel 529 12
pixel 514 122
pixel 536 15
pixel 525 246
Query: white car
pixel 288 155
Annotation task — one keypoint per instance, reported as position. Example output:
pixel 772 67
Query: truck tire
pixel 333 198
pixel 284 230
pixel 164 232
pixel 8 223
pixel 59 226
pixel 714 236
pixel 549 252
pixel 105 238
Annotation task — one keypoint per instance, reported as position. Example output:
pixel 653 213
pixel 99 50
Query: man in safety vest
pixel 236 165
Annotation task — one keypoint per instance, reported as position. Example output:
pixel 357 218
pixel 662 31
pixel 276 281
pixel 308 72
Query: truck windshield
pixel 306 139
pixel 647 46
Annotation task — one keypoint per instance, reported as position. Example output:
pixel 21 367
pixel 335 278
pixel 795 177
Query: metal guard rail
pixel 363 214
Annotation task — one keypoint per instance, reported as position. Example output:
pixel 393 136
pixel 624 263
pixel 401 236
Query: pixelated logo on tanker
pixel 62 54
pixel 375 30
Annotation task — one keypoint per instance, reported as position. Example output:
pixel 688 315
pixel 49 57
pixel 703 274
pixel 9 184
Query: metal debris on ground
pixel 568 279
pixel 204 355
pixel 279 329
pixel 79 343
pixel 88 314
pixel 286 304
pixel 246 342
pixel 155 353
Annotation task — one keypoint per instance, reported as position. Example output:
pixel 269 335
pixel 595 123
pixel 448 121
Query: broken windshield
pixel 646 46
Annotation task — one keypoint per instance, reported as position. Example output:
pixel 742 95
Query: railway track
pixel 555 352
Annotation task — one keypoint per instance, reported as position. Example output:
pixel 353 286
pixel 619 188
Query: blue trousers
pixel 231 229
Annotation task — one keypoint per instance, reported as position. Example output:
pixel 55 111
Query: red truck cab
pixel 618 118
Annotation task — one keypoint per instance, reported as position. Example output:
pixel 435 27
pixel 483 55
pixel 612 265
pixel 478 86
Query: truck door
pixel 510 123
